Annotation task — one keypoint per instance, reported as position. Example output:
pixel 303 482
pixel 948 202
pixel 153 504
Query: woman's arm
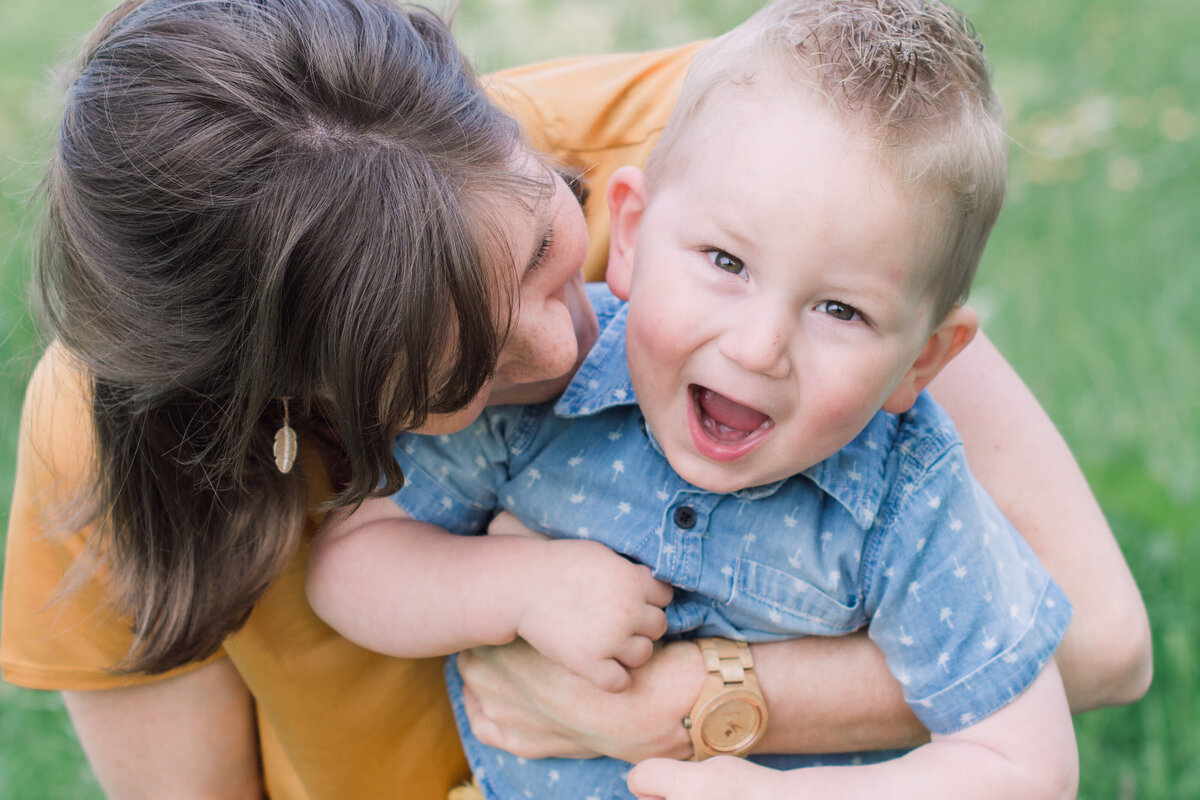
pixel 825 696
pixel 829 695
pixel 1020 458
pixel 190 736
pixel 1026 750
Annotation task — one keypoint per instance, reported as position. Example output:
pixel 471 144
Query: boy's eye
pixel 725 262
pixel 845 313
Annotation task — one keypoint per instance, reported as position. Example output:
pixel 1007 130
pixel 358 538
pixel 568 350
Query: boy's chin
pixel 718 479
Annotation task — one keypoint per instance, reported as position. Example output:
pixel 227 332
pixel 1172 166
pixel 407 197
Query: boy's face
pixel 772 274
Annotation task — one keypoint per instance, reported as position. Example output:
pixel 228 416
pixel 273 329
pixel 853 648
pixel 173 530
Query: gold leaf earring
pixel 285 443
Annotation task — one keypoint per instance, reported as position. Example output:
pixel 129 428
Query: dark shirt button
pixel 685 517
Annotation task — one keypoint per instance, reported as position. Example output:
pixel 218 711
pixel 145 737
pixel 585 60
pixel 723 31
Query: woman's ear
pixel 947 340
pixel 626 201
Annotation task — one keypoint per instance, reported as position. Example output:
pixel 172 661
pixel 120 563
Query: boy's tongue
pixel 734 417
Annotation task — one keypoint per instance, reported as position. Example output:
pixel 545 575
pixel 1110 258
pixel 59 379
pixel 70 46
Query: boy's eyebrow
pixel 731 230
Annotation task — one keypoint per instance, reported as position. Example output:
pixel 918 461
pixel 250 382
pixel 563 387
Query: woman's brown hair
pixel 251 200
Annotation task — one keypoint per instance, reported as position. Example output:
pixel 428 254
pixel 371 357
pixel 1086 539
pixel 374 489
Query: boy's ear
pixel 626 201
pixel 947 340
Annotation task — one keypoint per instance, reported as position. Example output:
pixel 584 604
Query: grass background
pixel 1089 287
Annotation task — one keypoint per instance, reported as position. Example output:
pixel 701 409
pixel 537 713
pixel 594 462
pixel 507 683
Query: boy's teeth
pixel 726 417
pixel 722 431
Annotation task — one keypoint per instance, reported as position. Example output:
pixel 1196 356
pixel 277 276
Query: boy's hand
pixel 593 611
pixel 716 778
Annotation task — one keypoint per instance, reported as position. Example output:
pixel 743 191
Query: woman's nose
pixel 541 347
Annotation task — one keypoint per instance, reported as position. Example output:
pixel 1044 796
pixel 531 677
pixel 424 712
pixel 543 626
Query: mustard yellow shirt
pixel 334 720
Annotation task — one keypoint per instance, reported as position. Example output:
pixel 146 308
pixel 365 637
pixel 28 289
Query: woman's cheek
pixel 542 347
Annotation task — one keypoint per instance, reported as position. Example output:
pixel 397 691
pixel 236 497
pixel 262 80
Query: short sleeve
pixel 964 613
pixel 51 638
pixel 454 480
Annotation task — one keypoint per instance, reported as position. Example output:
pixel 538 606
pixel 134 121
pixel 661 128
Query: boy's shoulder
pixel 922 435
pixel 892 451
pixel 604 302
pixel 602 381
pixel 926 431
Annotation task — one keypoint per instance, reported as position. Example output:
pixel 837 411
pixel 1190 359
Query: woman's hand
pixel 520 701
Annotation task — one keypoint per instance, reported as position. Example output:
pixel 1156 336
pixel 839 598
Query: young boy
pixel 751 426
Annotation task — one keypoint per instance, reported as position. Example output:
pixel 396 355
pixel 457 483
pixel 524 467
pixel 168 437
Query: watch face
pixel 730 724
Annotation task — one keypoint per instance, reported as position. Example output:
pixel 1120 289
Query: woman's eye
pixel 845 313
pixel 539 256
pixel 725 262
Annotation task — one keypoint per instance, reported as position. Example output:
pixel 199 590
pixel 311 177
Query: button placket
pixel 687 520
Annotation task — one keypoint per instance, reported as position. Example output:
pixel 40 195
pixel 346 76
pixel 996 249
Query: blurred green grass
pixel 1088 286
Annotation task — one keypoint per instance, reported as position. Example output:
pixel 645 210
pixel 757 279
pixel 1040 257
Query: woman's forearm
pixel 832 695
pixel 1023 462
pixel 1026 750
pixel 824 695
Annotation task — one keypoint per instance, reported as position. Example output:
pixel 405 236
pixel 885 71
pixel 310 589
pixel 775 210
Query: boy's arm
pixel 1026 750
pixel 1020 458
pixel 411 589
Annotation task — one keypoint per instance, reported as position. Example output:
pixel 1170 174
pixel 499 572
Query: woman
pixel 305 215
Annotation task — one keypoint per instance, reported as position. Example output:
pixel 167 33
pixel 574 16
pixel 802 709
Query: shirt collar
pixel 854 476
pixel 603 379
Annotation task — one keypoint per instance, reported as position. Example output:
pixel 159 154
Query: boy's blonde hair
pixel 909 75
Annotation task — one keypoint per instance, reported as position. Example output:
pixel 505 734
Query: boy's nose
pixel 758 340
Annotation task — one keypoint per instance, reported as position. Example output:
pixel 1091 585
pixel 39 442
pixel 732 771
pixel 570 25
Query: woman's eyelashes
pixel 577 185
pixel 539 256
pixel 725 262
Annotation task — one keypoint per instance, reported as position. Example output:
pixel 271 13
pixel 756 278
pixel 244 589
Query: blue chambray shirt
pixel 892 534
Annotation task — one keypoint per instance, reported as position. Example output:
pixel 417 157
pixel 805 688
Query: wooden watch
pixel 730 715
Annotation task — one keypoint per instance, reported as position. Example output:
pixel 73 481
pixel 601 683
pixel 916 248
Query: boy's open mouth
pixel 725 421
